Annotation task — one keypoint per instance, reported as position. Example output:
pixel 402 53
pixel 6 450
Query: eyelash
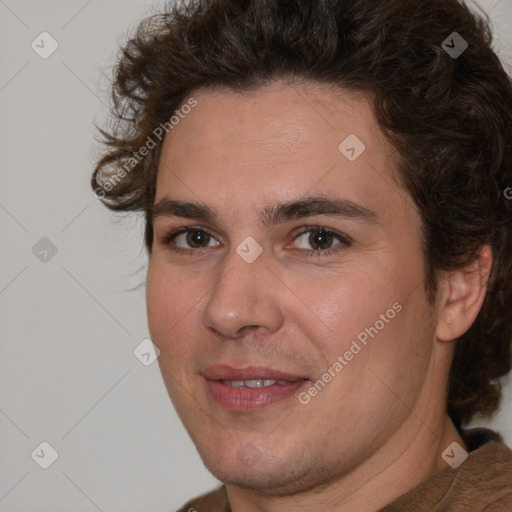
pixel 319 253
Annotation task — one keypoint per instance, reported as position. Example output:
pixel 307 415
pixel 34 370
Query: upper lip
pixel 226 372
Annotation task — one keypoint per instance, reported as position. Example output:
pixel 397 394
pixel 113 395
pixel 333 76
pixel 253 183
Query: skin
pixel 379 426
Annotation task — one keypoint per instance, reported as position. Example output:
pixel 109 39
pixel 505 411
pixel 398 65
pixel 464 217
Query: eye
pixel 186 239
pixel 321 240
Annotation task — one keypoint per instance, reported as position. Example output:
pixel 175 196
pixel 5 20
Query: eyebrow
pixel 271 215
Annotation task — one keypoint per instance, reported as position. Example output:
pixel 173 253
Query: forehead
pixel 274 142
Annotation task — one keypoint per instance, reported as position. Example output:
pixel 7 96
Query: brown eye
pixel 320 242
pixel 320 238
pixel 197 238
pixel 188 239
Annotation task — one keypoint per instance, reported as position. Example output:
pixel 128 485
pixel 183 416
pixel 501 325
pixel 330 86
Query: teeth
pixel 253 383
pixel 235 383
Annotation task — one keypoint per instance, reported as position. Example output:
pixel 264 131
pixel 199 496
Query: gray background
pixel 70 324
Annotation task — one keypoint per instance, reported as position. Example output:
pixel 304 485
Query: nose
pixel 246 297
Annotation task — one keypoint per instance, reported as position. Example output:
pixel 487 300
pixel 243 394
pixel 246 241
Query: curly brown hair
pixel 448 116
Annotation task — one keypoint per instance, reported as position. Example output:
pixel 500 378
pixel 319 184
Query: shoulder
pixel 489 478
pixel 482 482
pixel 213 501
pixel 490 460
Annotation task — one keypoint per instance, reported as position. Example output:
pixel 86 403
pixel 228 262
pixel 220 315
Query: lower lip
pixel 251 399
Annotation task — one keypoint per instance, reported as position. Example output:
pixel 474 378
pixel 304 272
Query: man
pixel 330 276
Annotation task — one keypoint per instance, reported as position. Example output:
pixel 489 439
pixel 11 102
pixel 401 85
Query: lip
pixel 249 399
pixel 226 372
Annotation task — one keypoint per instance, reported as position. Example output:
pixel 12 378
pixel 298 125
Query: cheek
pixel 173 320
pixel 352 303
pixel 158 295
pixel 378 382
pixel 377 321
pixel 170 301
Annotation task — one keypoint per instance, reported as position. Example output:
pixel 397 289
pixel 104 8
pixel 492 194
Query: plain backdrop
pixel 72 282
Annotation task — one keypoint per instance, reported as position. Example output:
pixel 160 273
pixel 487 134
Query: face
pixel 293 264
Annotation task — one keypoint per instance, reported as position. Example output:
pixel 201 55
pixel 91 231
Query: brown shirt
pixel 481 483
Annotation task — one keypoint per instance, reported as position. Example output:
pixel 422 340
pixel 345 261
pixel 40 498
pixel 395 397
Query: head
pixel 351 120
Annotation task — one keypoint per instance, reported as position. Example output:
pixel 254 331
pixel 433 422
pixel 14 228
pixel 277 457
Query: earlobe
pixel 464 295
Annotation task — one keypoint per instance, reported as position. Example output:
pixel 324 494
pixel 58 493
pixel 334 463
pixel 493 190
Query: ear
pixel 463 295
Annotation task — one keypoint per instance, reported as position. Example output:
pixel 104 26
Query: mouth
pixel 255 383
pixel 250 388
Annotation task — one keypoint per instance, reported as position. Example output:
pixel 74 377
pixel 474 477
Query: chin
pixel 263 473
pixel 267 482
